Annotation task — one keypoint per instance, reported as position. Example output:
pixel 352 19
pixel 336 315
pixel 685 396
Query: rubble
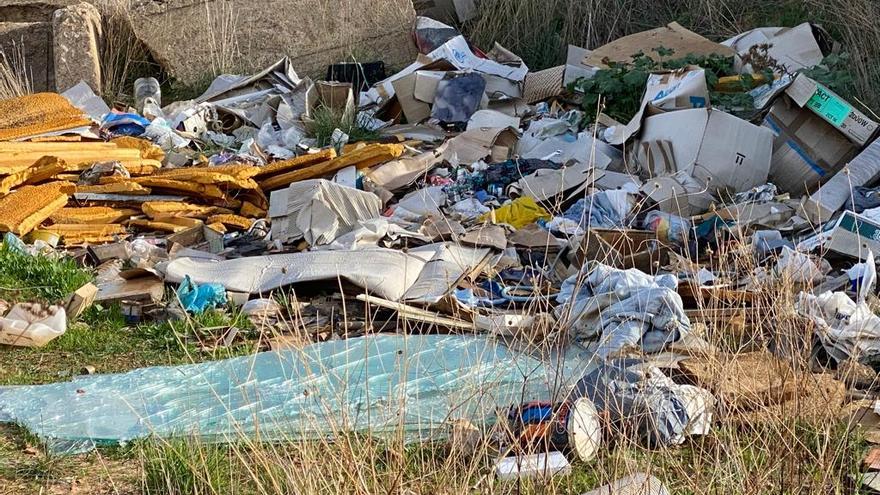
pixel 510 235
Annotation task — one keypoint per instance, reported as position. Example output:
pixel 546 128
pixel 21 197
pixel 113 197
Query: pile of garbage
pixel 467 194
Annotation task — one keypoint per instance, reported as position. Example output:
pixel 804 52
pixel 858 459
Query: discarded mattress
pixel 424 274
pixel 382 384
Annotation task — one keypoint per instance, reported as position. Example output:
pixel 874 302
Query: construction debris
pixel 700 251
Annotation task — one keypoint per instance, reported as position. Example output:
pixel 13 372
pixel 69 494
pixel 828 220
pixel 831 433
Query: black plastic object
pixel 361 76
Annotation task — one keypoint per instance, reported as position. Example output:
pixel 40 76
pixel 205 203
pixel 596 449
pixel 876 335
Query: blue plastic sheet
pixel 380 384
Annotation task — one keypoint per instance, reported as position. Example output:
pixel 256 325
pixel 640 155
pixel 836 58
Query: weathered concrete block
pixel 77 46
pixel 193 39
pixel 30 42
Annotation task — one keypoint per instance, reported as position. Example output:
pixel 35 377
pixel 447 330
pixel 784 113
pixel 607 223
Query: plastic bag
pixel 197 298
pixel 519 213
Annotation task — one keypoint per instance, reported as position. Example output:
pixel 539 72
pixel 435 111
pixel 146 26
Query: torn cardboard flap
pixel 793 48
pixel 456 52
pixel 666 91
pixel 576 66
pixel 426 85
pixel 476 144
pixel 807 93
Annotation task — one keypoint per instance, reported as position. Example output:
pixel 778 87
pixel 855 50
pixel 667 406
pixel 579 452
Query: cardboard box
pixel 336 96
pixel 199 237
pixel 414 109
pixel 623 249
pixel 807 150
pixel 716 148
pixel 80 300
pixel 853 235
pixel 809 94
pixel 863 169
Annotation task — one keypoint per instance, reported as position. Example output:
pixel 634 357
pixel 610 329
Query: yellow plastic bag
pixel 519 213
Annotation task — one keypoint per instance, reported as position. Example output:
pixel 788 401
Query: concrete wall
pixel 195 39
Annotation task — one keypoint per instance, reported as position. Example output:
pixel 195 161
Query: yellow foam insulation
pixel 237 176
pixel 78 159
pixel 48 147
pixel 148 150
pixel 155 225
pixel 45 168
pixel 231 221
pixel 39 113
pixel 157 209
pixel 219 227
pixel 56 139
pixel 240 171
pixel 72 177
pixel 285 166
pixel 141 167
pixel 368 156
pixel 116 188
pixel 87 234
pixel 251 210
pixel 182 187
pixel 75 228
pixel 29 206
pixel 92 215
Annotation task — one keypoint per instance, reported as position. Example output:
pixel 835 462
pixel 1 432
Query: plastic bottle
pixel 147 88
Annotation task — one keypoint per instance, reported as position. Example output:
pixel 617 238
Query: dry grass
pixel 15 77
pixel 123 57
pixel 802 445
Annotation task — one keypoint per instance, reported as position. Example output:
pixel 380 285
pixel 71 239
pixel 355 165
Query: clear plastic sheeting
pixel 381 384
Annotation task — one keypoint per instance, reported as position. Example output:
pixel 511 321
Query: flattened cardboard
pixel 716 148
pixel 807 150
pixel 673 36
pixel 414 110
pixel 149 288
pixel 825 103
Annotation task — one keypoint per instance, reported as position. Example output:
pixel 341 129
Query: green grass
pixel 327 120
pixel 103 340
pixel 49 279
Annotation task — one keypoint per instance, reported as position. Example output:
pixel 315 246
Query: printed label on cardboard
pixel 829 106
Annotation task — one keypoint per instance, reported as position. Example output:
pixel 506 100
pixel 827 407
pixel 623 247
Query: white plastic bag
pixel 32 325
